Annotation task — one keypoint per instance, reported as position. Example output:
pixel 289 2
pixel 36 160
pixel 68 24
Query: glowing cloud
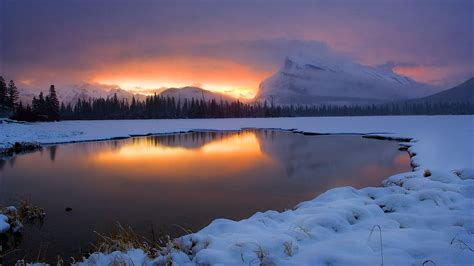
pixel 216 75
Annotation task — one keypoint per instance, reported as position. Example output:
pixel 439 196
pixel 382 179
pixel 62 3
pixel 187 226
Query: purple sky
pixel 228 44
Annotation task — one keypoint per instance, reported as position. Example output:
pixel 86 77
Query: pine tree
pixel 35 104
pixel 3 92
pixel 53 104
pixel 41 104
pixel 12 95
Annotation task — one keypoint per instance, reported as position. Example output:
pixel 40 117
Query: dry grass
pixel 380 237
pixel 124 239
pixel 304 230
pixel 289 248
pixel 261 256
pixel 260 253
pixel 27 212
pixel 428 262
pixel 461 244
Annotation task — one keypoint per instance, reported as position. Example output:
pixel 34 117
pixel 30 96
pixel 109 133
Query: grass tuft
pixel 123 239
pixel 289 248
pixel 380 236
pixel 28 212
pixel 428 261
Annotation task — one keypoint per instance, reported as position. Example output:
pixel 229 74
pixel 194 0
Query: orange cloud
pixel 428 74
pixel 237 80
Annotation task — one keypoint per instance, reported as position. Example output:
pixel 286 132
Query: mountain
pixel 303 82
pixel 196 93
pixel 92 91
pixel 86 91
pixel 463 92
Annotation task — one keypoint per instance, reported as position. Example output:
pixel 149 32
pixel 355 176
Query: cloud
pixel 51 40
pixel 269 54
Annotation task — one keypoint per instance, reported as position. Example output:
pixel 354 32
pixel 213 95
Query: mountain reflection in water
pixel 185 179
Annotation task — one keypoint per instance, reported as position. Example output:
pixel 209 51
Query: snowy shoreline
pixel 421 218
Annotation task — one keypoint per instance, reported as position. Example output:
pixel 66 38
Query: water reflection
pixel 52 152
pixel 204 155
pixel 186 179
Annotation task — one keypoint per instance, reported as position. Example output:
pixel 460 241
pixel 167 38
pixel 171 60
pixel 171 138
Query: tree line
pixel 43 108
pixel 9 96
pixel 48 108
pixel 161 107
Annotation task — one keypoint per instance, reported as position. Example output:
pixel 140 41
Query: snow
pixel 86 91
pixel 443 142
pixel 410 220
pixel 9 220
pixel 4 226
pixel 306 81
pixel 195 93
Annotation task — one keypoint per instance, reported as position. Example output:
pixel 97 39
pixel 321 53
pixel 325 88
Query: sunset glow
pixel 226 77
pixel 228 155
pixel 229 47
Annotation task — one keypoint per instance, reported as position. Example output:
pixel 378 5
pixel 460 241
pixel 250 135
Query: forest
pixel 48 108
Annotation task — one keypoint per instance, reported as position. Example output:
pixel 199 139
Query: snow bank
pixel 4 225
pixel 411 220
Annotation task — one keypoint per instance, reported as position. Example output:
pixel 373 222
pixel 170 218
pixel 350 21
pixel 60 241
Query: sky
pixel 227 45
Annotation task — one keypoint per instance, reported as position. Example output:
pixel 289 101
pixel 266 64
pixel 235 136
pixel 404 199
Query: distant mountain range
pixel 92 91
pixel 297 82
pixel 86 91
pixel 304 82
pixel 196 93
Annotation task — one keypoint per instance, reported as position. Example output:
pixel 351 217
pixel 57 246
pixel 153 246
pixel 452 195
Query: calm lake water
pixel 186 180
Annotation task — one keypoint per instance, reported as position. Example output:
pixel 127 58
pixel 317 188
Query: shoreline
pixel 224 236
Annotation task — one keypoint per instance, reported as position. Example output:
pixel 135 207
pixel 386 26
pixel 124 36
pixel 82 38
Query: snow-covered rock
pixel 302 81
pixel 9 220
pixel 4 225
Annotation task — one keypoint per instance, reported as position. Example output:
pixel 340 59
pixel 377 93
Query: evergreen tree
pixel 52 104
pixel 3 92
pixel 40 107
pixel 12 95
pixel 159 107
pixel 35 104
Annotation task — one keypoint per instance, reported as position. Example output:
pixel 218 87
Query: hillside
pixel 463 92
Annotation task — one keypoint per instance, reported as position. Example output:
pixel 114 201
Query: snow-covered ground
pixel 411 220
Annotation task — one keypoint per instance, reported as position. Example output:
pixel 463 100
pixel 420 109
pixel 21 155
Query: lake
pixel 170 182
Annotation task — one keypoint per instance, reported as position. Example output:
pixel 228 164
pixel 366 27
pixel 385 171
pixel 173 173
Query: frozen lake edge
pixel 420 217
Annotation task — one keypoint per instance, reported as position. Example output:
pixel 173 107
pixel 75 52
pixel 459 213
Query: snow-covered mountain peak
pixel 294 64
pixel 321 81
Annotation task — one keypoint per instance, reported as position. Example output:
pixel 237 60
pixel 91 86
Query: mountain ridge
pixel 71 94
pixel 302 81
pixel 463 92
